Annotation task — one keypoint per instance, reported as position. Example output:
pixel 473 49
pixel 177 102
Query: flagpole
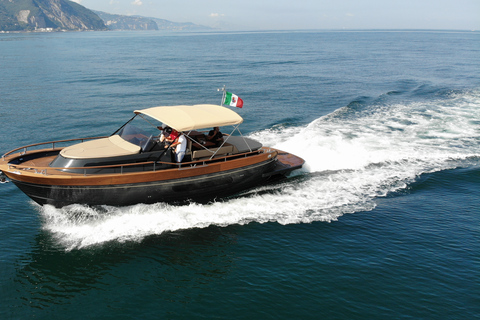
pixel 223 94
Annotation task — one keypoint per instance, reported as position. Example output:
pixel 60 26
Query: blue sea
pixel 383 221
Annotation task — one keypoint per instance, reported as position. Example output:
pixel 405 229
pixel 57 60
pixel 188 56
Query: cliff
pixel 121 22
pixel 179 26
pixel 31 15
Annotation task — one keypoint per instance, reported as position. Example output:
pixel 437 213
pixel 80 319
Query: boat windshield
pixel 138 131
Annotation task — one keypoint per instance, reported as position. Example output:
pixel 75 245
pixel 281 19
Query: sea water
pixel 382 221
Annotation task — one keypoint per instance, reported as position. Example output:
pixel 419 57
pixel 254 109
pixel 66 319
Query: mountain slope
pixel 121 22
pixel 29 15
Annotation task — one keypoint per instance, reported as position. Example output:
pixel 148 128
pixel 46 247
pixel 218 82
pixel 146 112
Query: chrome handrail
pixel 46 143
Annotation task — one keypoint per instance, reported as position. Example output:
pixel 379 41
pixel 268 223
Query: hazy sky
pixel 304 14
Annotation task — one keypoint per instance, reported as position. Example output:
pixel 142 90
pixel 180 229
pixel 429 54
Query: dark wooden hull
pixel 199 181
pixel 200 188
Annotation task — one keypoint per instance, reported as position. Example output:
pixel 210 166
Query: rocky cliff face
pixel 70 15
pixel 120 22
pixel 29 15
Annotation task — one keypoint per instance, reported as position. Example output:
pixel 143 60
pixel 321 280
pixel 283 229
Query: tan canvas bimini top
pixel 186 118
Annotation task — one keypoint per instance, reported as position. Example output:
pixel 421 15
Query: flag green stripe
pixel 228 98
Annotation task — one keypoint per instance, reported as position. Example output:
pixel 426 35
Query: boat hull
pixel 200 188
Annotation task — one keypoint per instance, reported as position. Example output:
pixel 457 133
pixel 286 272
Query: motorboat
pixel 133 165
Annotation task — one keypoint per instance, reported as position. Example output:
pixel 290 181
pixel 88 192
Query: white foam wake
pixel 352 157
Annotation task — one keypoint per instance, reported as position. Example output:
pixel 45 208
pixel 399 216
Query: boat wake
pixel 353 156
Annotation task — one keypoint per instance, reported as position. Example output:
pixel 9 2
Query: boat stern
pixel 285 164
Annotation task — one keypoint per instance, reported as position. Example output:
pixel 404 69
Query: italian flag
pixel 232 100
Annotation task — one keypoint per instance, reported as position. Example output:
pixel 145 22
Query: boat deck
pixel 39 162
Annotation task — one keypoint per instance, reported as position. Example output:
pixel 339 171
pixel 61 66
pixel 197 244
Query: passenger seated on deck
pixel 167 137
pixel 165 134
pixel 180 145
pixel 215 136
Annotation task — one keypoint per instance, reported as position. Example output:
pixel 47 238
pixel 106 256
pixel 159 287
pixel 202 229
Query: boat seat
pixel 207 153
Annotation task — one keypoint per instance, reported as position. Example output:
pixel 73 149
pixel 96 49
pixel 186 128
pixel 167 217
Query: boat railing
pixel 123 168
pixel 53 145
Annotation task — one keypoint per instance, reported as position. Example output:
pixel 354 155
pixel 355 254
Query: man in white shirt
pixel 180 145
